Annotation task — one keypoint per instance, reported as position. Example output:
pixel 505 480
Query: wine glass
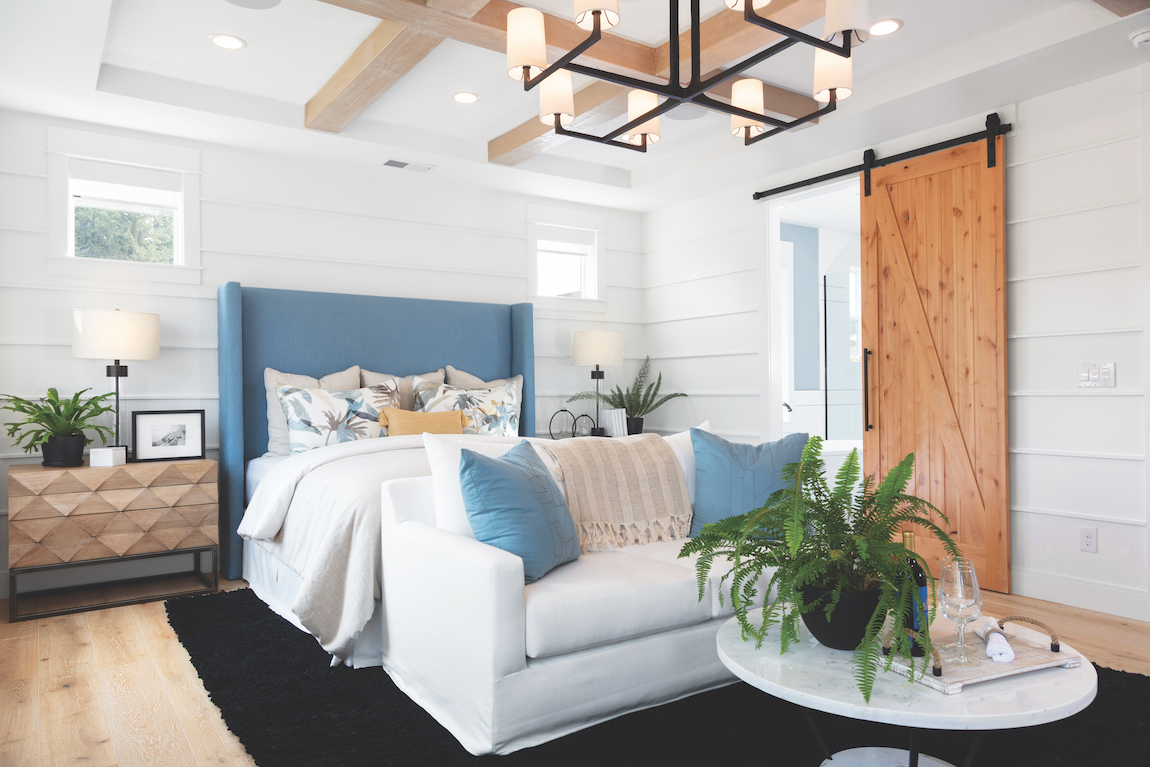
pixel 961 602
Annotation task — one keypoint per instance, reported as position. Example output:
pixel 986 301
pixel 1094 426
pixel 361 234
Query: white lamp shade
pixel 607 19
pixel 597 347
pixel 526 42
pixel 832 71
pixel 740 6
pixel 556 98
pixel 847 14
pixel 747 94
pixel 112 335
pixel 638 104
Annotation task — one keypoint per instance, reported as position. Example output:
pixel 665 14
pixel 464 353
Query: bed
pixel 315 334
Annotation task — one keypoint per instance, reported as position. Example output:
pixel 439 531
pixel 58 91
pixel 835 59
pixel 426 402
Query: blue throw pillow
pixel 732 478
pixel 514 504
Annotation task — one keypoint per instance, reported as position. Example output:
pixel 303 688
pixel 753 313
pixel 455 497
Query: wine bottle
pixel 916 618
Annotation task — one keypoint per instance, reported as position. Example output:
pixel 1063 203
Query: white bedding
pixel 319 513
pixel 255 472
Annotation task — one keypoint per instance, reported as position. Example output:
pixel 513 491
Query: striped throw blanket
pixel 623 491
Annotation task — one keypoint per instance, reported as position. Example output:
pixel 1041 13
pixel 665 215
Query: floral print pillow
pixel 491 412
pixel 319 417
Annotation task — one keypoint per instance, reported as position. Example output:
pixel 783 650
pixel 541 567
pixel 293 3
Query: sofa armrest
pixel 453 610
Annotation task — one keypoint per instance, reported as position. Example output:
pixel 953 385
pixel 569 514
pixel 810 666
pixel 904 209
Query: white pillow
pixel 681 446
pixel 278 440
pixel 444 453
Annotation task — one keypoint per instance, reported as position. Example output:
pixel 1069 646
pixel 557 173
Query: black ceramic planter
pixel 634 425
pixel 848 622
pixel 63 451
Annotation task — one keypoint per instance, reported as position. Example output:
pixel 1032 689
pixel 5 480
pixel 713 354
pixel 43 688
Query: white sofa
pixel 504 666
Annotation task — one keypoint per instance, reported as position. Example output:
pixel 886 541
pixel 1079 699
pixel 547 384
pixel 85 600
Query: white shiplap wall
pixel 273 221
pixel 1077 211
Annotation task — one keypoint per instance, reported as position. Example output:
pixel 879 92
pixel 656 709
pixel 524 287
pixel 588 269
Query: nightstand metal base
pixel 210 584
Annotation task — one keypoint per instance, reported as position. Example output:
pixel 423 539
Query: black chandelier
pixel 846 20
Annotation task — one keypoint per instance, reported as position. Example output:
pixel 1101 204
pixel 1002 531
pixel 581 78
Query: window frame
pixel 64 144
pixel 593 276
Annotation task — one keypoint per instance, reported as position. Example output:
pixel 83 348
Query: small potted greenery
pixel 638 402
pixel 831 552
pixel 57 426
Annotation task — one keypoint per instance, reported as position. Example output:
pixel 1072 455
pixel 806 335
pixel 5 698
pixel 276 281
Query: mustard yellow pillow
pixel 400 422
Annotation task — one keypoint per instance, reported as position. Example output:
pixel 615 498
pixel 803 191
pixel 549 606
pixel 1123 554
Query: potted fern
pixel 637 401
pixel 833 554
pixel 57 426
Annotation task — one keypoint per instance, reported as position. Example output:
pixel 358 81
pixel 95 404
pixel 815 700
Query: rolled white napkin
pixel 997 648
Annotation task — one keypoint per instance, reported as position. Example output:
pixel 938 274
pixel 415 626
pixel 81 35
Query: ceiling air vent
pixel 416 166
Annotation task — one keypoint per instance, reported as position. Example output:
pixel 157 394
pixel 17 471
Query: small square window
pixel 124 213
pixel 565 263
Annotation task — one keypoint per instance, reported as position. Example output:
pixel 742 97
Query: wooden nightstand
pixel 69 518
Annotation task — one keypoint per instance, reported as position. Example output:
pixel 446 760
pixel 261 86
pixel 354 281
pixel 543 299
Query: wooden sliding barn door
pixel 934 320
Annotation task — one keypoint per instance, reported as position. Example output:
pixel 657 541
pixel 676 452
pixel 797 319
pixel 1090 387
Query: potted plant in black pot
pixel 834 560
pixel 637 401
pixel 57 426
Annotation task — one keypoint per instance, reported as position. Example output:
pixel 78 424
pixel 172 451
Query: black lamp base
pixel 598 432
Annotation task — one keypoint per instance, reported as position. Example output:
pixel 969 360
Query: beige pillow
pixel 461 380
pixel 278 441
pixel 406 393
pixel 401 422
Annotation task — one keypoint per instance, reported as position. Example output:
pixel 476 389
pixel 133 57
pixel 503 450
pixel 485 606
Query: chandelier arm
pixel 745 64
pixel 843 50
pixel 561 131
pixel 673 75
pixel 671 90
pixel 830 107
pixel 704 100
pixel 574 53
pixel 666 106
pixel 696 45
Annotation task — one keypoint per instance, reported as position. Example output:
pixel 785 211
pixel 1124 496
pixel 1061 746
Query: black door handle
pixel 866 389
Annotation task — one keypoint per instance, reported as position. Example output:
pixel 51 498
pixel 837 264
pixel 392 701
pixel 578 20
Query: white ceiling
pixel 148 65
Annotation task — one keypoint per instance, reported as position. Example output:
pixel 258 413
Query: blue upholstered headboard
pixel 319 333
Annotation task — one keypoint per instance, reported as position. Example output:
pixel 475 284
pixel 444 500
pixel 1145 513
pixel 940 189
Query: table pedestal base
pixel 880 757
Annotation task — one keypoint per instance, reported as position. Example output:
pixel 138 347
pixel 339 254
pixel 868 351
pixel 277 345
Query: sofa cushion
pixel 732 478
pixel 513 503
pixel 668 552
pixel 605 597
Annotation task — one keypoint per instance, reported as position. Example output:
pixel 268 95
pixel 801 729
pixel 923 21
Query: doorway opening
pixel 816 342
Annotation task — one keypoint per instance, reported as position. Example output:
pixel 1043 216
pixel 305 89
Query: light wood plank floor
pixel 115 687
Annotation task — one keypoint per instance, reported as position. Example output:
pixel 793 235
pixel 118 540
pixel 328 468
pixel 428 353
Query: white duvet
pixel 319 513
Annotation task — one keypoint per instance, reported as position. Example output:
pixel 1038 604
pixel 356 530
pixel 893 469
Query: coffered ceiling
pixel 368 80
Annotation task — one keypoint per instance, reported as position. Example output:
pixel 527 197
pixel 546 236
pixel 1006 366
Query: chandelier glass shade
pixel 846 21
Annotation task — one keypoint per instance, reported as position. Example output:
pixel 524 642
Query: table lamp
pixel 114 335
pixel 600 349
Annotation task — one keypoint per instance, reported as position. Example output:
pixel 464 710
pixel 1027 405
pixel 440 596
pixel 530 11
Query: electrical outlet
pixel 1088 539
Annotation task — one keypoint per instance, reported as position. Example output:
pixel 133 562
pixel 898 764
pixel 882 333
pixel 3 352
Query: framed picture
pixel 166 435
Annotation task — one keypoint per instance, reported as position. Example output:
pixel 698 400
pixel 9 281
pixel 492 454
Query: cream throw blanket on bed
pixel 623 491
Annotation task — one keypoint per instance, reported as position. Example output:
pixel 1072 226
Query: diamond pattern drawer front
pixel 82 513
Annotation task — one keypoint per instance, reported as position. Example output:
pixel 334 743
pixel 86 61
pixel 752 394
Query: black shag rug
pixel 277 693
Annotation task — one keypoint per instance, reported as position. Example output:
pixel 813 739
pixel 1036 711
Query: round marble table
pixel 820 678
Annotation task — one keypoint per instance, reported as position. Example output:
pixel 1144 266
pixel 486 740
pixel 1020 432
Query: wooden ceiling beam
pixel 385 56
pixel 1124 7
pixel 724 38
pixel 488 29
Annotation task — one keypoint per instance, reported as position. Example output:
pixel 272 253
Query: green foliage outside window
pixel 123 235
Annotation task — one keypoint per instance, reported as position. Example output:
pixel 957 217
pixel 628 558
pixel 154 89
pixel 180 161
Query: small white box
pixel 108 456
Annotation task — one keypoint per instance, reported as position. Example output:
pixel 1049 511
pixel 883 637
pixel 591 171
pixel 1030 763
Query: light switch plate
pixel 1094 375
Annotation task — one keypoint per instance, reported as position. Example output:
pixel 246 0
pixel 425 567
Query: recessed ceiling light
pixel 885 27
pixel 231 42
pixel 465 97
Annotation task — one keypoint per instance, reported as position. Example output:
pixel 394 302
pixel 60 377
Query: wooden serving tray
pixel 1029 655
